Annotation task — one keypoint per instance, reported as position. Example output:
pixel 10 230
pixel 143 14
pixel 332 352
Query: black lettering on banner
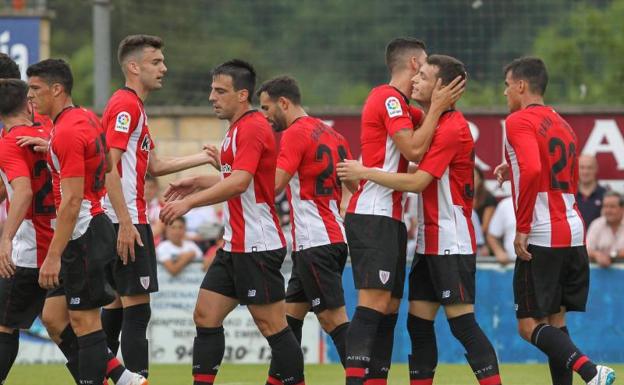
pixel 41 171
pixel 556 182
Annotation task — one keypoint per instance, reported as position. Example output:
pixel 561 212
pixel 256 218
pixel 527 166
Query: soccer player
pixel 541 151
pixel 83 241
pixel 306 165
pixel 131 151
pixel 247 269
pixel 29 222
pixel 443 271
pixel 375 230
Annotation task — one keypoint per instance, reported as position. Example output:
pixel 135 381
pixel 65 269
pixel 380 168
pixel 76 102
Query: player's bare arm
pixel 22 199
pixel 228 188
pixel 354 170
pixel 413 144
pixel 186 186
pixel 159 166
pixel 3 193
pixel 502 173
pixel 67 215
pixel 127 235
pixel 281 180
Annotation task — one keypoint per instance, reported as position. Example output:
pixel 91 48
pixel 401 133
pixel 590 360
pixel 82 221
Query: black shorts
pixel 140 276
pixel 251 278
pixel 446 279
pixel 378 247
pixel 317 277
pixel 553 278
pixel 86 266
pixel 21 298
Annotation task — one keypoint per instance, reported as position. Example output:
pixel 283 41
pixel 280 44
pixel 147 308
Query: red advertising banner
pixel 601 135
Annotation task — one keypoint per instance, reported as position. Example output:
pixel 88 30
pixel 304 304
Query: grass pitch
pixel 514 374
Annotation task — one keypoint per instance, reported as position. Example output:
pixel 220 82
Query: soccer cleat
pixel 137 379
pixel 604 376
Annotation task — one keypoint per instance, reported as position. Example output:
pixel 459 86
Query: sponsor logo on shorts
pixel 251 293
pixel 446 294
pixel 316 302
pixel 393 106
pixel 145 281
pixel 74 301
pixel 384 276
pixel 515 306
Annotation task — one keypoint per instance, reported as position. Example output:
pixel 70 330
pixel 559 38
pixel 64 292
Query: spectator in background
pixel 502 232
pixel 152 198
pixel 211 253
pixel 175 253
pixel 590 193
pixel 200 224
pixel 482 249
pixel 605 237
pixel 484 202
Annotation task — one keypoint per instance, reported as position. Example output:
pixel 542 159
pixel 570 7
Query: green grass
pixel 517 374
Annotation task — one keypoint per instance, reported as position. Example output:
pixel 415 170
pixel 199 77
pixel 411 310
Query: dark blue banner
pixel 19 38
pixel 599 332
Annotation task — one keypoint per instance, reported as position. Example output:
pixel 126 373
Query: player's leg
pixel 381 359
pixel 112 318
pixel 134 283
pixel 374 253
pixel 540 292
pixel 55 318
pixel 453 278
pixel 21 300
pixel 216 299
pixel 560 374
pixel 423 307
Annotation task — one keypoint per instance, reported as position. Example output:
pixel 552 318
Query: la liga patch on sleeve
pixel 393 106
pixel 122 122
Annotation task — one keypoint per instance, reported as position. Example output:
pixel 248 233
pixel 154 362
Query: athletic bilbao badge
pixel 144 282
pixel 384 276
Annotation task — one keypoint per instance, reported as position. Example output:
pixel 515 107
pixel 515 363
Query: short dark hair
pixel 242 73
pixel 13 96
pixel 448 67
pixel 397 47
pixel 532 70
pixel 133 43
pixel 8 67
pixel 282 86
pixel 615 194
pixel 179 219
pixel 53 71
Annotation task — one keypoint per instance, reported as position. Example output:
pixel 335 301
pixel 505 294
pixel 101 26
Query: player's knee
pixel 54 324
pixel 331 319
pixel 525 331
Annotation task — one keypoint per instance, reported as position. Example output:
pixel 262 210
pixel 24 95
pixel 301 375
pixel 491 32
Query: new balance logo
pixel 251 293
pixel 316 302
pixel 384 276
pixel 74 301
pixel 446 294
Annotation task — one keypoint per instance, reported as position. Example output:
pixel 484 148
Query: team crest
pixel 145 281
pixel 393 106
pixel 226 143
pixel 384 276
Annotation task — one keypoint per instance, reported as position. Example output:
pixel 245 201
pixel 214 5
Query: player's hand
pixel 214 155
pixel 444 97
pixel 521 244
pixel 502 258
pixel 173 210
pixel 127 236
pixel 180 189
pixel 350 170
pixel 502 173
pixel 38 144
pixel 49 272
pixel 7 267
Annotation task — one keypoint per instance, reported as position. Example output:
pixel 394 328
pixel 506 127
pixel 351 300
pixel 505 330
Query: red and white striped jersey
pixel 125 123
pixel 386 112
pixel 31 242
pixel 78 149
pixel 309 151
pixel 250 219
pixel 445 208
pixel 542 151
